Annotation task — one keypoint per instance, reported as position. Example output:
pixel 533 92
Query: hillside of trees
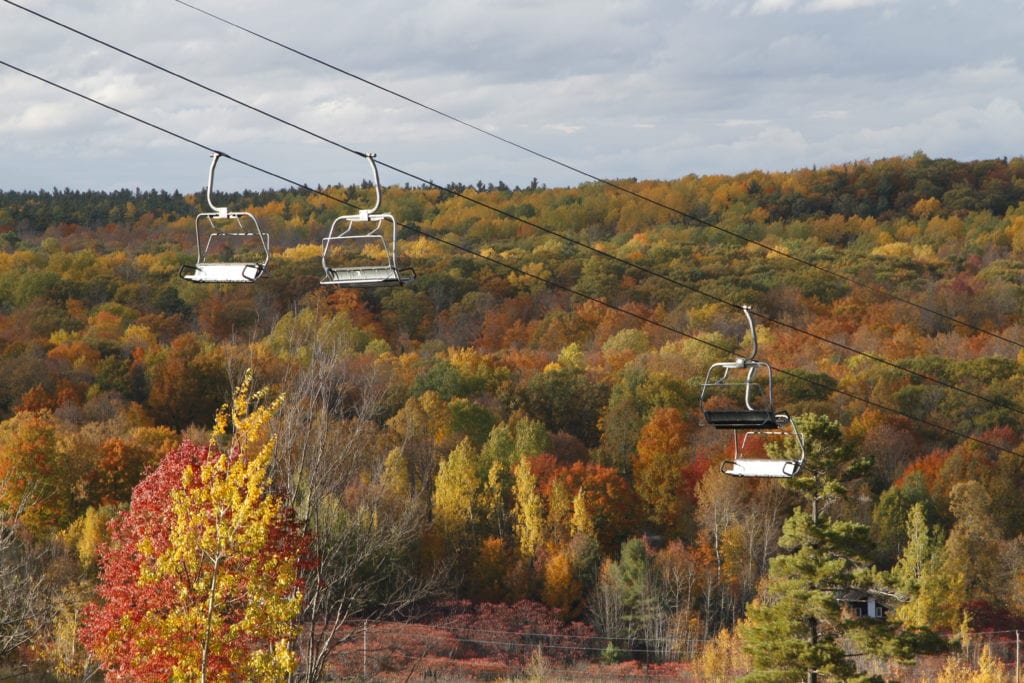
pixel 518 431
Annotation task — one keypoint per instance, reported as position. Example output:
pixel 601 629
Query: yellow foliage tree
pixel 988 670
pixel 528 512
pixel 723 658
pixel 222 521
pixel 456 488
pixel 561 588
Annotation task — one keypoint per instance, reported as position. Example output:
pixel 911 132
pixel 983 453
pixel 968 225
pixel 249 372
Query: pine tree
pixel 798 627
pixel 795 627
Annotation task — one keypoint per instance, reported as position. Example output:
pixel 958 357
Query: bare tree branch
pixel 331 451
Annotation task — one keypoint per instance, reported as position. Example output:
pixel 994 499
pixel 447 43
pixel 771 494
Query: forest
pixel 502 469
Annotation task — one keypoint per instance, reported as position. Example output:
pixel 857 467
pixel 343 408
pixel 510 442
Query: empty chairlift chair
pixel 738 395
pixel 361 249
pixel 230 244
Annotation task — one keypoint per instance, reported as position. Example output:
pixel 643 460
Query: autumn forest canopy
pixel 520 425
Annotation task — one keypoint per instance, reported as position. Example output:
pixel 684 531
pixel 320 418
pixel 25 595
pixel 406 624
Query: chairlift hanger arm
pixel 364 214
pixel 221 211
pixel 753 332
pixel 744 361
pixel 376 181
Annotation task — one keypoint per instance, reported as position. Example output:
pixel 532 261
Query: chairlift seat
pixel 348 256
pixel 221 272
pixel 220 228
pixel 361 275
pixel 747 406
pixel 761 467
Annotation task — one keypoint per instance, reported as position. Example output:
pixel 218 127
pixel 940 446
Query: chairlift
pixel 223 239
pixel 738 395
pixel 361 249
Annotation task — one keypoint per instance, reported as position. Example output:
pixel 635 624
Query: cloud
pixel 812 6
pixel 34 118
pixel 988 75
pixel 844 5
pixel 831 115
pixel 990 130
pixel 769 6
pixel 744 123
pixel 563 128
pixel 645 89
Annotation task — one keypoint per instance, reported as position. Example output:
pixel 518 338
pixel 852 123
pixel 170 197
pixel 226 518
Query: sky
pixel 649 89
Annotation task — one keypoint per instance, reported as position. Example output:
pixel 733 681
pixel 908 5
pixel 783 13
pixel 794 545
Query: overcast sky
pixel 618 88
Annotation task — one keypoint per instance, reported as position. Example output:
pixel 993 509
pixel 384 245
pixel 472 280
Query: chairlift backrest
pixel 220 233
pixel 361 249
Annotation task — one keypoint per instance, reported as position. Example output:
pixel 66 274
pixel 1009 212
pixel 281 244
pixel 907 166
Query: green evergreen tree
pixel 798 627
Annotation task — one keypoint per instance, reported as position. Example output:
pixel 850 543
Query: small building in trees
pixel 860 603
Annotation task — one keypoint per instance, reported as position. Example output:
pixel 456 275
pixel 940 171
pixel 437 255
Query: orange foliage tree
pixel 40 476
pixel 663 474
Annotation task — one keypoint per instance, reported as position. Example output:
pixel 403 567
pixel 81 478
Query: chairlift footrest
pixel 744 419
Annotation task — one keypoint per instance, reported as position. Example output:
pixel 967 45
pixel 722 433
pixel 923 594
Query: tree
pixel 187 383
pixel 889 516
pixel 739 528
pixel 918 553
pixel 528 510
pixel 364 500
pixel 797 627
pixel 972 569
pixel 973 546
pixel 24 603
pixel 660 472
pixel 611 503
pixel 200 580
pixel 933 596
pixel 566 398
pixel 456 490
pixel 39 477
pixel 635 603
pixel 424 425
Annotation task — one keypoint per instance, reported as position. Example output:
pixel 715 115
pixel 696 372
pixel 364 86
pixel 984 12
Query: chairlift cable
pixel 520 219
pixel 498 211
pixel 519 271
pixel 842 392
pixel 609 183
